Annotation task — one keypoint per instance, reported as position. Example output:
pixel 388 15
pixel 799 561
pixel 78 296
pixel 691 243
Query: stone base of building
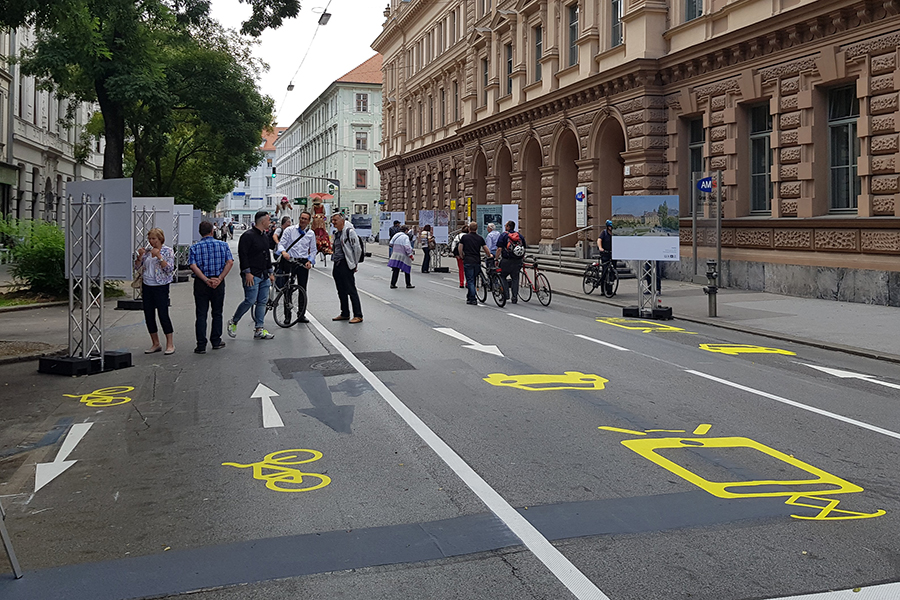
pixel 827 283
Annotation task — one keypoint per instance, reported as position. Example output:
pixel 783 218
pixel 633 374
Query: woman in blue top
pixel 157 266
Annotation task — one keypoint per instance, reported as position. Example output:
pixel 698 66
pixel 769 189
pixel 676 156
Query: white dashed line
pixel 525 318
pixel 371 295
pixel 602 343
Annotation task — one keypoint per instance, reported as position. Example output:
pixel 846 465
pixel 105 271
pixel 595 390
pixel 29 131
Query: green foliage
pixel 40 259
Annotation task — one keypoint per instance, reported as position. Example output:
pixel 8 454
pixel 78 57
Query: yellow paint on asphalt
pixel 642 325
pixel 570 380
pixel 104 396
pixel 281 478
pixel 736 349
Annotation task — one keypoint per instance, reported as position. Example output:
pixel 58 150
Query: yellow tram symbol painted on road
pixel 642 325
pixel 570 380
pixel 736 349
pixel 278 477
pixel 104 396
pixel 808 492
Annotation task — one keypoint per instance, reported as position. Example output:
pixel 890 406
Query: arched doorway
pixel 609 178
pixel 503 172
pixel 531 193
pixel 479 176
pixel 566 181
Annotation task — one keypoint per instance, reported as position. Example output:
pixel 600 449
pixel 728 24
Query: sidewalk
pixel 862 329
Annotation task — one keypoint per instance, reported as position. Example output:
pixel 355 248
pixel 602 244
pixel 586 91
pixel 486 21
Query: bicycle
pixel 537 284
pixel 593 276
pixel 289 303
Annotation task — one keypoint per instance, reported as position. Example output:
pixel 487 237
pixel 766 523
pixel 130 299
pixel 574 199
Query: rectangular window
pixel 695 145
pixel 484 79
pixel 538 51
pixel 692 9
pixel 616 20
pixel 452 27
pixel 443 107
pixel 421 118
pixel 760 159
pixel 361 178
pixel 247 181
pixel 843 148
pixel 362 140
pixel 362 103
pixel 455 102
pixel 509 68
pixel 268 182
pixel 430 113
pixel 573 35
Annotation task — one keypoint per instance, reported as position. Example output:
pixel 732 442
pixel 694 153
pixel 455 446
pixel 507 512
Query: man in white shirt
pixel 491 239
pixel 297 247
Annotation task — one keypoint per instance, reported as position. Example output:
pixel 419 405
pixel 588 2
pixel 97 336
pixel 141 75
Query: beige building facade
pixel 795 102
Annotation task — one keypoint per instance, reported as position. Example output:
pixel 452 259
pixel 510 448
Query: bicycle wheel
pixel 481 287
pixel 543 289
pixel 286 310
pixel 612 283
pixel 498 289
pixel 525 286
pixel 591 279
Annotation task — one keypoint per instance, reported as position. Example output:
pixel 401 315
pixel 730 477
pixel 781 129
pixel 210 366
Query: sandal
pixel 153 350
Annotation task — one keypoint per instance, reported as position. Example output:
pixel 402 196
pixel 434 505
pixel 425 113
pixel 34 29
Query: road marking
pixel 471 344
pixel 44 473
pixel 851 375
pixel 454 287
pixel 576 581
pixel 281 478
pixel 371 295
pixel 602 343
pixel 570 380
pixel 812 409
pixel 736 349
pixel 525 318
pixel 104 396
pixel 799 492
pixel 643 326
pixel 887 591
pixel 270 416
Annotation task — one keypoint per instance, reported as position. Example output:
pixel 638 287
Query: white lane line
pixel 602 343
pixel 887 591
pixel 371 295
pixel 576 581
pixel 452 287
pixel 812 409
pixel 525 318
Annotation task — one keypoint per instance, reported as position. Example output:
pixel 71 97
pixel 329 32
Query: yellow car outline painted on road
pixel 570 380
pixel 642 325
pixel 737 349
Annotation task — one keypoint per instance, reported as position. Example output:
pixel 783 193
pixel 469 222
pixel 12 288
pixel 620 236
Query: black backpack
pixel 270 237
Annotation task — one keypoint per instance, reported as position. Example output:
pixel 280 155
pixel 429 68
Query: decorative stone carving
pixel 717 118
pixel 884 184
pixel 790 189
pixel 885 103
pixel 790 155
pixel 546 213
pixel 789 138
pixel 791 85
pixel 684 236
pixel 880 241
pixel 885 63
pixel 793 239
pixel 883 205
pixel 884 144
pixel 883 124
pixel 719 133
pixel 789 208
pixel 633 118
pixel 884 43
pixel 717 148
pixel 790 120
pixel 728 237
pixel 790 102
pixel 718 88
pixel 755 238
pixel 673 101
pixel 883 164
pixel 718 163
pixel 790 171
pixel 718 103
pixel 803 65
pixel 882 83
pixel 836 239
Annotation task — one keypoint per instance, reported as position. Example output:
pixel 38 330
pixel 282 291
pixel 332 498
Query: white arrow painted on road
pixel 46 472
pixel 270 415
pixel 851 375
pixel 471 344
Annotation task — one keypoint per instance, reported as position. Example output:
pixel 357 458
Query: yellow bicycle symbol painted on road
pixel 736 349
pixel 104 396
pixel 281 478
pixel 570 380
pixel 807 492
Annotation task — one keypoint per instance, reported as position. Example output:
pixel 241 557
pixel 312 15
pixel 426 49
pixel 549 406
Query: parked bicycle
pixel 289 301
pixel 593 276
pixel 488 280
pixel 536 283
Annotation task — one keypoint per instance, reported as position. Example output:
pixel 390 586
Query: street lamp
pixel 323 19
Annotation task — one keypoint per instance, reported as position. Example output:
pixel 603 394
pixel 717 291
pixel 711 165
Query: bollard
pixel 711 290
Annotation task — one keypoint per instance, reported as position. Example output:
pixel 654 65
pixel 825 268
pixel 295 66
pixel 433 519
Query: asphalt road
pixel 584 457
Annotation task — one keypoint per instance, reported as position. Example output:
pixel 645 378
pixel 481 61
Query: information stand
pixel 7 544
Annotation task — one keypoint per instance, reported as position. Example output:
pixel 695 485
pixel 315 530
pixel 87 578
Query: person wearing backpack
pixel 511 254
pixel 454 246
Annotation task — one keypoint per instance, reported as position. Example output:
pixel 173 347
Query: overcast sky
pixel 341 45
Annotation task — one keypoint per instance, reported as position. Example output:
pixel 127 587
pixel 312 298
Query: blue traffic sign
pixel 705 185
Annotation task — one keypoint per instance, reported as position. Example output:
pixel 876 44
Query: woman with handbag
pixel 156 266
pixel 426 237
pixel 402 257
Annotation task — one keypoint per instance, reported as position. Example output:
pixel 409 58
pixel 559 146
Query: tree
pixel 114 52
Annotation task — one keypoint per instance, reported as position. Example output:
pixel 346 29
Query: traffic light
pixel 273 172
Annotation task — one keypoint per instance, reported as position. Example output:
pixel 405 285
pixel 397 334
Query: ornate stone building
pixel 794 101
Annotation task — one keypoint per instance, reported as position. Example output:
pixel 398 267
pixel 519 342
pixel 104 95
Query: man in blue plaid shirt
pixel 210 261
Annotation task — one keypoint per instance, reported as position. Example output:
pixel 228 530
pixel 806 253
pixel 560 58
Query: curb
pixel 5 309
pixel 30 356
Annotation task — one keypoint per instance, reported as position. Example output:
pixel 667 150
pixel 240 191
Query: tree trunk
pixel 114 132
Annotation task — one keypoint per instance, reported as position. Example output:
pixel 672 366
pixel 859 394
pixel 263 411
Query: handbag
pixel 138 281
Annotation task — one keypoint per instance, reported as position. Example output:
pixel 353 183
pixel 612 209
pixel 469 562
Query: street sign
pixel 705 185
pixel 453 204
pixel 304 201
pixel 581 206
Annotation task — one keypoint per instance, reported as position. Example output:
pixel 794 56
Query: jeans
pixel 511 269
pixel 471 270
pixel 426 262
pixel 204 297
pixel 345 282
pixel 155 299
pixel 255 295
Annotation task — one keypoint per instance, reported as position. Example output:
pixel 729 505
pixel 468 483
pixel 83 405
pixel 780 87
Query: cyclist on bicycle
pixel 604 242
pixel 297 249
pixel 511 254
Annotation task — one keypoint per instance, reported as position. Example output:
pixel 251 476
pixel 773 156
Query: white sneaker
pixel 231 328
pixel 262 334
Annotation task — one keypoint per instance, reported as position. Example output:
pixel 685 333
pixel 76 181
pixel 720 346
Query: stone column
pixel 549 220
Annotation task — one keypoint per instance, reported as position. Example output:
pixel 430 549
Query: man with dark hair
pixel 256 267
pixel 511 254
pixel 391 233
pixel 469 249
pixel 347 250
pixel 210 262
pixel 297 248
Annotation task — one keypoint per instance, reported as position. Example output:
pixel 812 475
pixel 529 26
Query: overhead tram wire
pixel 302 60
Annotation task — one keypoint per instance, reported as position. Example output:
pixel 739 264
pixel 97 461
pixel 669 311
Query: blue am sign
pixel 705 185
